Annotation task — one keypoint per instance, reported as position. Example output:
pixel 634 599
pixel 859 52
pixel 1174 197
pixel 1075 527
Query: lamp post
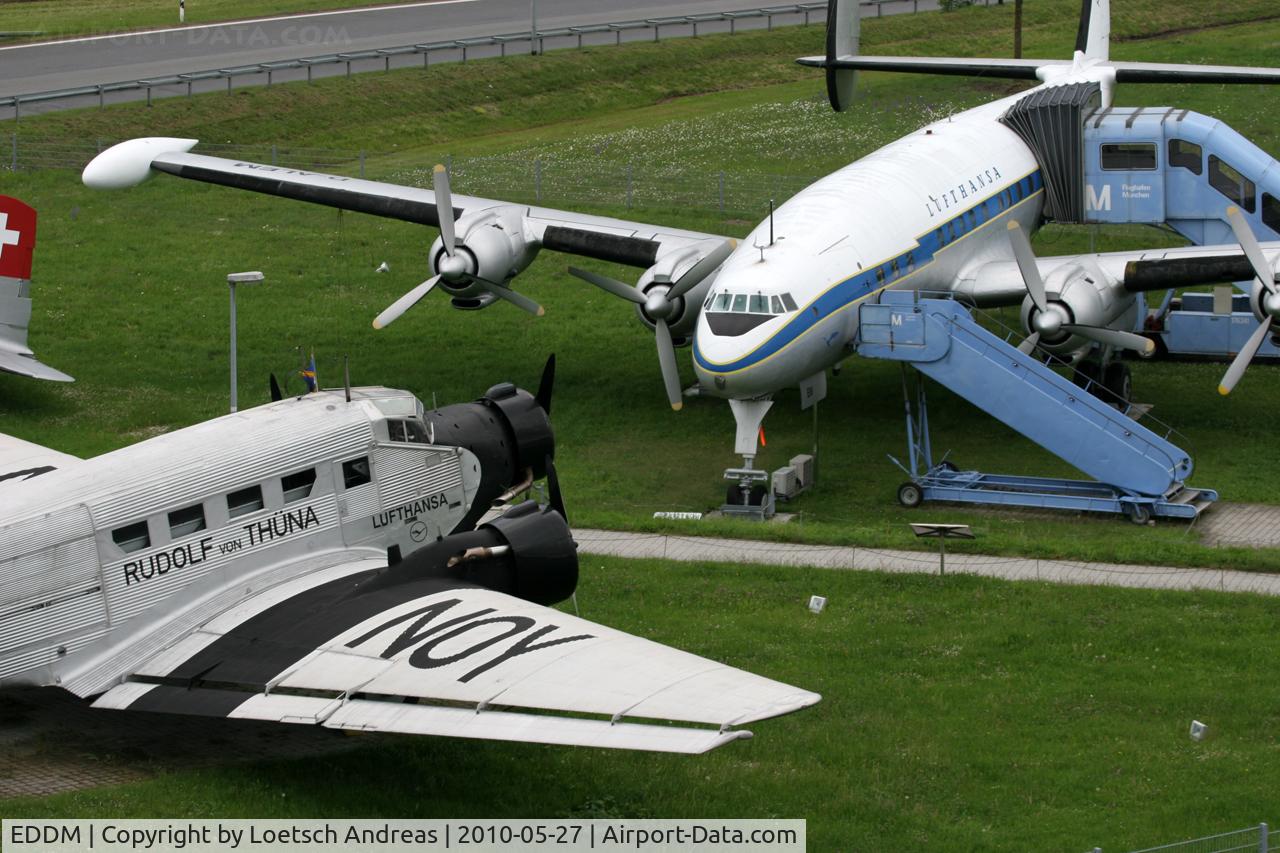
pixel 232 280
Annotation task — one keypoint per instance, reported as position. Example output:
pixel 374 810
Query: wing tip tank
pixel 128 163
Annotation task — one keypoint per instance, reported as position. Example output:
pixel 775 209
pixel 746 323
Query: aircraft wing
pixel 363 651
pixel 21 460
pixel 603 238
pixel 997 283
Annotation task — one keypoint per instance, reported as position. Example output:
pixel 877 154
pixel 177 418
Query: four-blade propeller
pixel 454 267
pixel 1051 319
pixel 661 304
pixel 1268 299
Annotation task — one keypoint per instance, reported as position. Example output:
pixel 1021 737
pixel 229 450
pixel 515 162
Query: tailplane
pixel 1091 61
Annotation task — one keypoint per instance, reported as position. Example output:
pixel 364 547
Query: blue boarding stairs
pixel 1135 471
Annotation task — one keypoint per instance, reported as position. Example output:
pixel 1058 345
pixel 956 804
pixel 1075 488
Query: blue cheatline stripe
pixel 868 281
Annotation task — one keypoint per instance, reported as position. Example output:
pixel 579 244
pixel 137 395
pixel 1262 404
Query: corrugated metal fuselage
pixel 104 562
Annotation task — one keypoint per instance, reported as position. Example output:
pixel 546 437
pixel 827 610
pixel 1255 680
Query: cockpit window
pixel 751 303
pixel 407 431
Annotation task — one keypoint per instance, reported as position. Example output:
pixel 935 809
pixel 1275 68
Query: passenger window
pixel 1271 212
pixel 132 537
pixel 740 303
pixel 244 501
pixel 184 522
pixel 893 268
pixel 1227 180
pixel 942 240
pixel 776 304
pixel 298 486
pixel 789 302
pixel 1186 154
pixel 911 261
pixel 1128 156
pixel 759 304
pixel 355 472
pixel 1028 187
pixel 973 220
pixel 879 275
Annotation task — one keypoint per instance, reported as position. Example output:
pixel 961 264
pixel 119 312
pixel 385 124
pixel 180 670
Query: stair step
pixel 1185 496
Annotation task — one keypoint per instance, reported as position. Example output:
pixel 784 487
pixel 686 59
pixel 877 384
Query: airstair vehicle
pixel 1158 166
pixel 1137 471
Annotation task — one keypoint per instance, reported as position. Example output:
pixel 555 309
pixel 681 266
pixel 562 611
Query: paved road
pixel 43 67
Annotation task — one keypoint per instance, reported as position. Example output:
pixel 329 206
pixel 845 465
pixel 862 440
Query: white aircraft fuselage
pixel 912 214
pixel 104 560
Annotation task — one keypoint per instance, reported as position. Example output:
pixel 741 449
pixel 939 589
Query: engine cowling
pixel 508 431
pixel 527 552
pixel 492 245
pixel 1079 295
pixel 680 313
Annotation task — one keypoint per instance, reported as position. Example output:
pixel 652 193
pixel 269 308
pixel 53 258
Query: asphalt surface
pixel 80 62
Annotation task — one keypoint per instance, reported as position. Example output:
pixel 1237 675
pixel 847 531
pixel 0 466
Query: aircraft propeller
pixel 554 497
pixel 1050 319
pixel 454 267
pixel 661 304
pixel 545 386
pixel 1268 300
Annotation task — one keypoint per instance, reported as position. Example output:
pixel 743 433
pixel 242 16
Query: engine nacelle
pixel 527 552
pixel 682 313
pixel 494 246
pixel 1080 295
pixel 508 431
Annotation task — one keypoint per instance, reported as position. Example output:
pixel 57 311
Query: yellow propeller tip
pixel 377 325
pixel 439 167
pixel 1013 225
pixel 1224 390
pixel 675 407
pixel 541 311
pixel 1232 210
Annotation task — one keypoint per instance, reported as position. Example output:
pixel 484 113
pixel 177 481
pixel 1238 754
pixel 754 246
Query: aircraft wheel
pixel 910 495
pixel 733 495
pixel 1138 513
pixel 1119 381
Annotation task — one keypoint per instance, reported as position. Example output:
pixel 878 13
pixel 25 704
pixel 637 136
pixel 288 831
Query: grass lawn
pixel 67 18
pixel 129 295
pixel 958 713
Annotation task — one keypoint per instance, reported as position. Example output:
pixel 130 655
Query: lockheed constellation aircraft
pixel 946 209
pixel 323 560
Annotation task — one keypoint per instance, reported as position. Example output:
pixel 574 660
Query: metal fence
pixel 522 179
pixel 382 58
pixel 1255 839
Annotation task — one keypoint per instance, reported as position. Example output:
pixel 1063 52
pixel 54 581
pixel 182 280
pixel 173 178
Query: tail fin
pixel 17 243
pixel 1094 36
pixel 843 32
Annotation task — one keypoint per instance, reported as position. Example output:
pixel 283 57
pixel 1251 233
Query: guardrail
pixel 459 46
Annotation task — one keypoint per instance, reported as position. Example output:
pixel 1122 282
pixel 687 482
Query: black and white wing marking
pixel 430 657
pixel 603 238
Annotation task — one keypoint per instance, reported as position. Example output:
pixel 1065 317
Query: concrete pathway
pixel 695 548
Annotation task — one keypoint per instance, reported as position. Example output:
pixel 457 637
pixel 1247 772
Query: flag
pixel 308 374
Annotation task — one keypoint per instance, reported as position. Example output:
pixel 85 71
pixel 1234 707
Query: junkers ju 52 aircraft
pixel 944 209
pixel 322 560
